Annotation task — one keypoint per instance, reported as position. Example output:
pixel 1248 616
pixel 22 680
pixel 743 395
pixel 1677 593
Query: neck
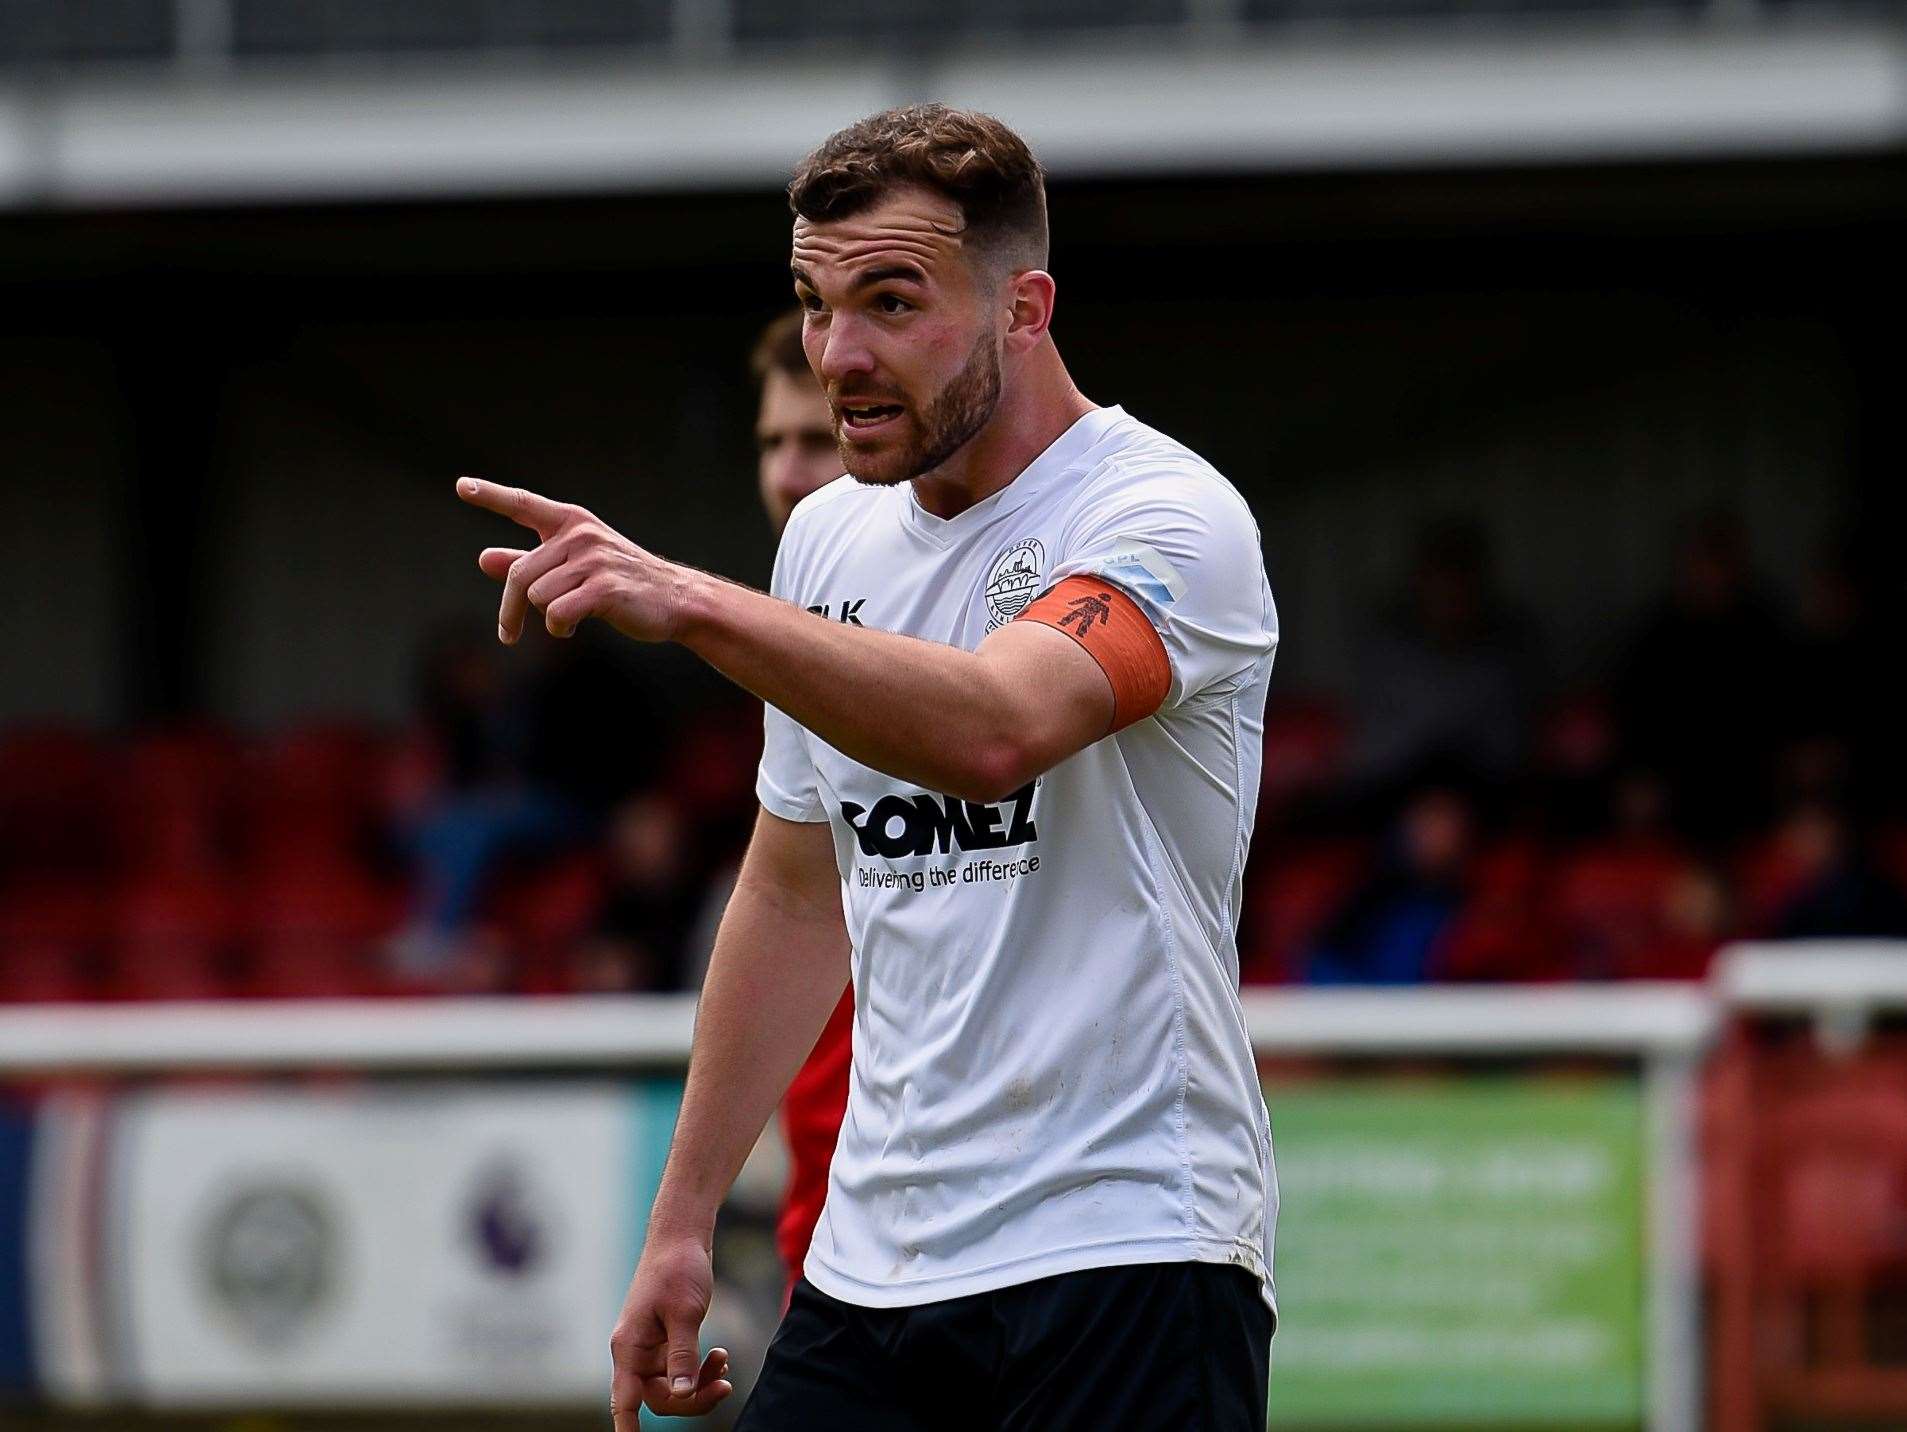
pixel 1039 405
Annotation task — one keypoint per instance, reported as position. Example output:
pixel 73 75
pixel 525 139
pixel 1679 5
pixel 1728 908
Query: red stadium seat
pixel 1839 1164
pixel 1290 893
pixel 545 913
pixel 1510 869
pixel 54 783
pixel 1723 1118
pixel 1840 1157
pixel 312 794
pixel 1769 874
pixel 1305 744
pixel 49 942
pixel 1808 1201
pixel 175 802
pixel 171 939
pixel 712 773
pixel 1610 905
pixel 1502 932
pixel 315 932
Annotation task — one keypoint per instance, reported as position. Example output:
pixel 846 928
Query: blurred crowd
pixel 555 832
pixel 559 824
pixel 1734 775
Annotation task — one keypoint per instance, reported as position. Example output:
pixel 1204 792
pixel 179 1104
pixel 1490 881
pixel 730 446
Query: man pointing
pixel 1015 790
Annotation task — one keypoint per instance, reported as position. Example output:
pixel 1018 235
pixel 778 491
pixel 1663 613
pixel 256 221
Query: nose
pixel 780 468
pixel 844 350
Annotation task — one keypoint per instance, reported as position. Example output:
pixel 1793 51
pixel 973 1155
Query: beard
pixel 958 412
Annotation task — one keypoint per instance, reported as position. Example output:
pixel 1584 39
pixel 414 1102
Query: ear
pixel 1029 297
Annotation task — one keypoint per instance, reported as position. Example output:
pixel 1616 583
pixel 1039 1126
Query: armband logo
pixel 1087 610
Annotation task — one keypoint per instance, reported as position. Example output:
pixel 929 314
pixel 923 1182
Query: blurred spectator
pixel 1390 930
pixel 1836 889
pixel 1445 681
pixel 640 941
pixel 474 808
pixel 1613 898
pixel 590 726
pixel 1573 766
pixel 1292 890
pixel 459 706
pixel 1694 691
pixel 1696 918
pixel 1845 706
pixel 1502 932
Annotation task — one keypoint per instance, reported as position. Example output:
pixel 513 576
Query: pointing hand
pixel 581 568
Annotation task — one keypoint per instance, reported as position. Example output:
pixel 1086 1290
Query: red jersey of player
pixel 811 1113
pixel 796 453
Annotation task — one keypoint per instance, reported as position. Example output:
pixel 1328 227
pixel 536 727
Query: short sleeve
pixel 1182 543
pixel 786 782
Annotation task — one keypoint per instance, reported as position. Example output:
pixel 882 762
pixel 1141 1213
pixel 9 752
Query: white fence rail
pixel 607 1031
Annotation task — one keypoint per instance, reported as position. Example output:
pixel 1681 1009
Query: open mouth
pixel 864 417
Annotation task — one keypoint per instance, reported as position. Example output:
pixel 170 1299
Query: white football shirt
pixel 1051 1068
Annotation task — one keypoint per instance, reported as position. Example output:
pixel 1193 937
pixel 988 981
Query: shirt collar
pixel 1060 455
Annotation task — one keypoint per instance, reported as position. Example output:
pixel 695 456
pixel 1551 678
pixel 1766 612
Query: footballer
pixel 1014 662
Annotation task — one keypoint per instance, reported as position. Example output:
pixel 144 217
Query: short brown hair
pixel 779 350
pixel 973 159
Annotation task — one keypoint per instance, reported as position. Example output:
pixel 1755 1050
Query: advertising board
pixel 1459 1253
pixel 456 1243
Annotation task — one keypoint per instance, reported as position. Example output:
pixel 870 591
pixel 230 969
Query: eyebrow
pixel 887 274
pixel 905 272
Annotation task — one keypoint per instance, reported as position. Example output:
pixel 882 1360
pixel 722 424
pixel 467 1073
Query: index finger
pixel 516 503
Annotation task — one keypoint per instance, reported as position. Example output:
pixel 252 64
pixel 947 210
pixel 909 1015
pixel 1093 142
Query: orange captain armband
pixel 1117 635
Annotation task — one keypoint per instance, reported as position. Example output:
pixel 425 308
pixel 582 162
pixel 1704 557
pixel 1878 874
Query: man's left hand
pixel 581 568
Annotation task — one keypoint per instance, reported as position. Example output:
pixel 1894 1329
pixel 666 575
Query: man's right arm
pixel 778 968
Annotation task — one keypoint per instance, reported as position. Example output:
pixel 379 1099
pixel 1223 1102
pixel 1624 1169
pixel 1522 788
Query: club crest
pixel 1014 581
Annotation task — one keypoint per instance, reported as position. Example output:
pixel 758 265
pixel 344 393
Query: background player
pixel 794 438
pixel 794 431
pixel 1051 1205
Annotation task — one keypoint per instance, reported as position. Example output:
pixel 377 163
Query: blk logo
pixel 849 613
pixel 1087 610
pixel 922 824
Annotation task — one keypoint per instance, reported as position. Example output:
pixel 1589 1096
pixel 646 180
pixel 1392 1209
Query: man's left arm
pixel 974 724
